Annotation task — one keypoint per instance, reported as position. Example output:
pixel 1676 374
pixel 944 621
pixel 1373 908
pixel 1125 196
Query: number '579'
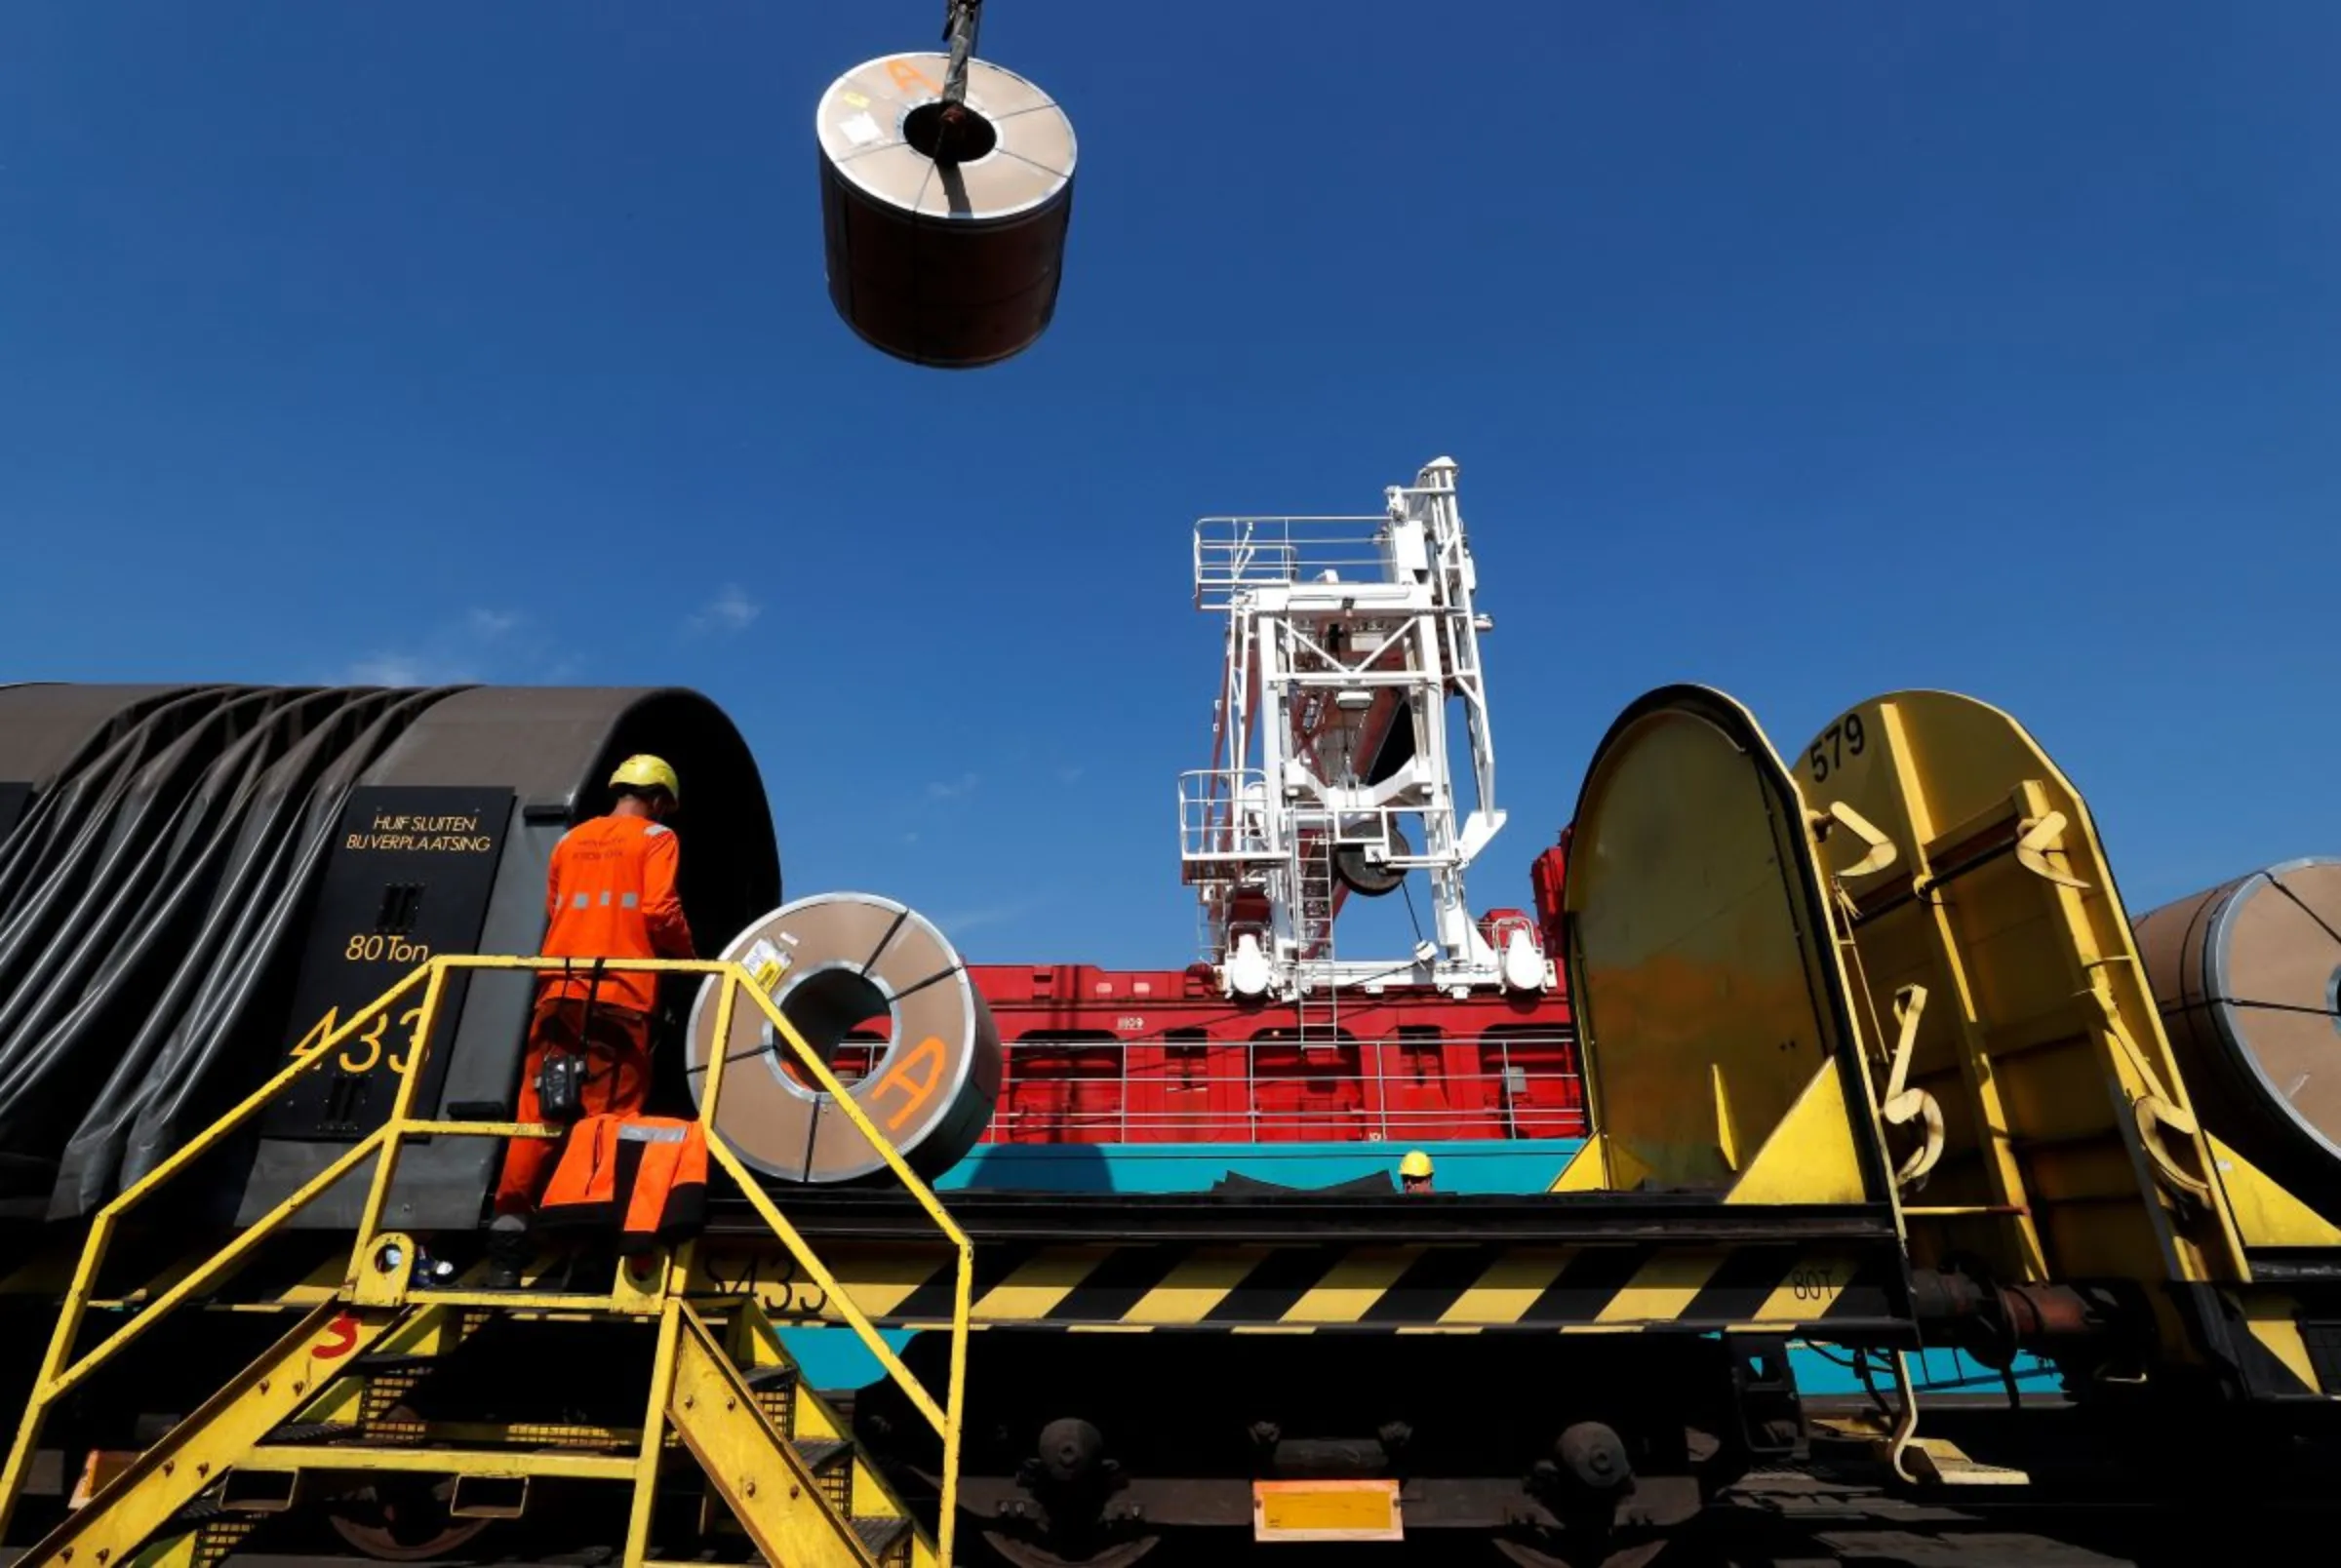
pixel 1841 739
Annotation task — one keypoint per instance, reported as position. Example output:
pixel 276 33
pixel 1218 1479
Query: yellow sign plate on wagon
pixel 1326 1510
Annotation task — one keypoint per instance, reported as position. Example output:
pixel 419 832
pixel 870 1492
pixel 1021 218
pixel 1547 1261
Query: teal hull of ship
pixel 833 1358
pixel 1480 1165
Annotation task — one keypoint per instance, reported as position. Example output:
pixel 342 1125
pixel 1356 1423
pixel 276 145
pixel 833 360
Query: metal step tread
pixel 879 1531
pixel 315 1431
pixel 396 1362
pixel 819 1451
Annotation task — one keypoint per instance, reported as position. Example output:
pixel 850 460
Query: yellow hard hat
pixel 647 772
pixel 1417 1163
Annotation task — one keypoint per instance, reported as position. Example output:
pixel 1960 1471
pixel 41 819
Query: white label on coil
pixel 861 130
pixel 767 964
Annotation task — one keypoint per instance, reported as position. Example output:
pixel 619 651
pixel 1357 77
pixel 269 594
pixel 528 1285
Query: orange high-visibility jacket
pixel 611 894
pixel 644 1177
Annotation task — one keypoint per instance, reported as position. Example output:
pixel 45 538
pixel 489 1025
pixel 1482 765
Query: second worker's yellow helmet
pixel 643 772
pixel 1417 1163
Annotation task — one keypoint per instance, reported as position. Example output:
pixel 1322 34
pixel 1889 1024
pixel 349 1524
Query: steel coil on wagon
pixel 944 247
pixel 2247 978
pixel 844 966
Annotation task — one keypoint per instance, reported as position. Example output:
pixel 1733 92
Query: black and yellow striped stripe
pixel 1414 1286
pixel 1842 1286
pixel 2283 1341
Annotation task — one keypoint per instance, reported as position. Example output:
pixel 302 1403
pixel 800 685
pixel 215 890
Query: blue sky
pixel 1808 350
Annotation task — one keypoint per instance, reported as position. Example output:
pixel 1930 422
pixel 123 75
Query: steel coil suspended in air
pixel 840 966
pixel 945 245
pixel 2247 978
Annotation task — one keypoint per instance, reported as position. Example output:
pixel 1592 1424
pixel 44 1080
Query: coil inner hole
pixel 949 133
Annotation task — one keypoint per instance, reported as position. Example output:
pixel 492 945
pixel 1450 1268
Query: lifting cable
pixel 960 19
pixel 957 129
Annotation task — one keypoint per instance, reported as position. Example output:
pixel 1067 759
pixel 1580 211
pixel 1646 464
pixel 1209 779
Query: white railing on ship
pixel 1511 1105
pixel 1232 553
pixel 1299 1125
pixel 1223 819
pixel 1224 824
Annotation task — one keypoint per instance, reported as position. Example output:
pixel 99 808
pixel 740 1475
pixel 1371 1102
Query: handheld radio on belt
pixel 561 1075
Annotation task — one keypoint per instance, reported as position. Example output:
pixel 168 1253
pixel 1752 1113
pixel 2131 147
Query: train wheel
pixel 402 1518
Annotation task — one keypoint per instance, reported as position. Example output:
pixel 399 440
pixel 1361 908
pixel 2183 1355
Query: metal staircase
pixel 342 1399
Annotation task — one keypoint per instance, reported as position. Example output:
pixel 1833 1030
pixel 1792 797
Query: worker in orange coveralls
pixel 611 894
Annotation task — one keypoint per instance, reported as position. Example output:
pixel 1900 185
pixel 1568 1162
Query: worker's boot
pixel 432 1271
pixel 510 1250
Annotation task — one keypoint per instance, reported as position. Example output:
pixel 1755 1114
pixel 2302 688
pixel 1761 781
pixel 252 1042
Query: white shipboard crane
pixel 1352 646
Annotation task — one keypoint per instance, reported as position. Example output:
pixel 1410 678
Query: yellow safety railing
pixel 61 1372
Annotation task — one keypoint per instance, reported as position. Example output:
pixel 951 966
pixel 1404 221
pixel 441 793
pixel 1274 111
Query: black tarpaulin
pixel 79 758
pixel 68 920
pixel 144 901
pixel 51 857
pixel 91 984
pixel 218 958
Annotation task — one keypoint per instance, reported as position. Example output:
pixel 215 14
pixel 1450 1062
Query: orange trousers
pixel 642 1177
pixel 617 1080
